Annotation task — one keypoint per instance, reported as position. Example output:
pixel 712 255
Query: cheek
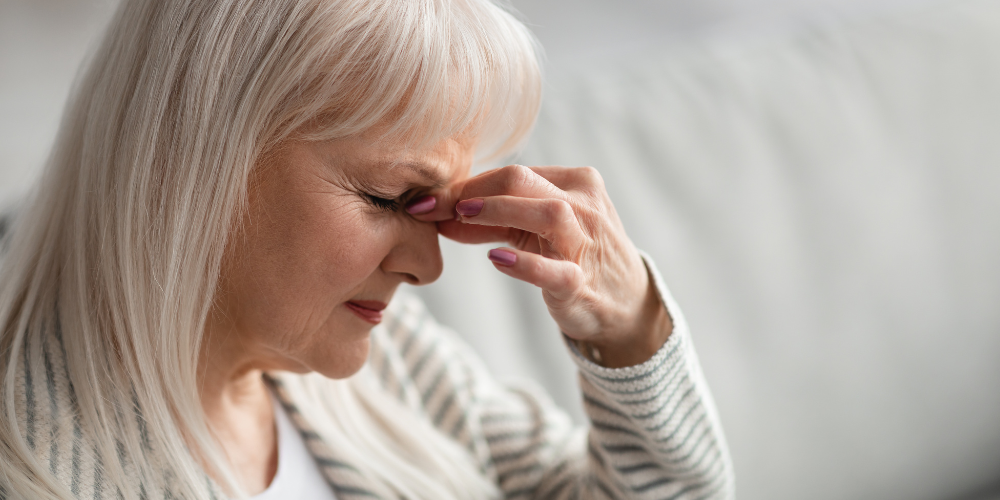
pixel 298 262
pixel 326 249
pixel 348 246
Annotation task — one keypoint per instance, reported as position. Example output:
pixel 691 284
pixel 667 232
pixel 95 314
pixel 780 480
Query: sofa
pixel 824 203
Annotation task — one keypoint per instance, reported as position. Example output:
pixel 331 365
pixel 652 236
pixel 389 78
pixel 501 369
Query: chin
pixel 341 360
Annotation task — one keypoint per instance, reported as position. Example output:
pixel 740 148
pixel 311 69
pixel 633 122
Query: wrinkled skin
pixel 336 223
pixel 568 241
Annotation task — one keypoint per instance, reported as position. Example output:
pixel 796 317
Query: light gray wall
pixel 43 41
pixel 578 29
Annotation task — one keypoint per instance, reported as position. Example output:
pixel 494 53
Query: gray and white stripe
pixel 654 431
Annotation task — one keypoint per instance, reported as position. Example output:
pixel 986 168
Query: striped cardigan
pixel 653 433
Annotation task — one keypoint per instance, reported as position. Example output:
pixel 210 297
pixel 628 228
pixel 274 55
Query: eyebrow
pixel 429 173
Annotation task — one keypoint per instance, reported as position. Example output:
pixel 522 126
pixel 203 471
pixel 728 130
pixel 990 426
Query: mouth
pixel 368 310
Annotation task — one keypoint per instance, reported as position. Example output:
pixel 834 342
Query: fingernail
pixel 468 208
pixel 503 257
pixel 421 205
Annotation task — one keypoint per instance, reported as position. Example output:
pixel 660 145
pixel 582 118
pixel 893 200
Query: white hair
pixel 123 239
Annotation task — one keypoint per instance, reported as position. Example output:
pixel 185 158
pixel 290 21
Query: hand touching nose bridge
pixel 564 237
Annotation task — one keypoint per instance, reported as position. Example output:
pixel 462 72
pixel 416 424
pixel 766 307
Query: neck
pixel 229 375
pixel 231 388
pixel 238 410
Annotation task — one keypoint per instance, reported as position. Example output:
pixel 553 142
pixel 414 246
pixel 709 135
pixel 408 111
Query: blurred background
pixel 816 179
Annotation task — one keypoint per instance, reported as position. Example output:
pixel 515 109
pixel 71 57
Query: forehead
pixel 435 165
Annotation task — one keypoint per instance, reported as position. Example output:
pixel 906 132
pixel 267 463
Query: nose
pixel 416 255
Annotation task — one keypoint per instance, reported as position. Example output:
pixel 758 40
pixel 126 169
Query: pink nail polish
pixel 421 205
pixel 468 208
pixel 502 257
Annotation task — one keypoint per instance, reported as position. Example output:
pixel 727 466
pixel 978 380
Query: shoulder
pixel 45 401
pixel 48 412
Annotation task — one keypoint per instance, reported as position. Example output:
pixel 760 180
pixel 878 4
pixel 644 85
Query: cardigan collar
pixel 48 415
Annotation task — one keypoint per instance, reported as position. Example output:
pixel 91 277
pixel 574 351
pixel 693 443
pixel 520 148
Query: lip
pixel 368 310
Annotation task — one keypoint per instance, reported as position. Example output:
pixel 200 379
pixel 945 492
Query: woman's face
pixel 324 244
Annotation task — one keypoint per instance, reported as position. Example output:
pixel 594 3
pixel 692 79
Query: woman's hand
pixel 566 238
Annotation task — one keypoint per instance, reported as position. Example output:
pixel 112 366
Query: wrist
pixel 634 351
pixel 647 337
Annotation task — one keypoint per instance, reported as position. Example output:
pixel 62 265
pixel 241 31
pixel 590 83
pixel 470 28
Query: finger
pixel 472 234
pixel 552 219
pixel 435 206
pixel 571 178
pixel 561 278
pixel 514 180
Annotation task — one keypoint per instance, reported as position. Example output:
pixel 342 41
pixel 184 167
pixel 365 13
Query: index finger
pixel 512 180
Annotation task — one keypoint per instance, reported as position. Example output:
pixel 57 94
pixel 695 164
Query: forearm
pixel 655 432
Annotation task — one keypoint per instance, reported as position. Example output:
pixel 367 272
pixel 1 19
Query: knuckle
pixel 558 211
pixel 515 176
pixel 590 176
pixel 572 278
pixel 537 268
pixel 556 215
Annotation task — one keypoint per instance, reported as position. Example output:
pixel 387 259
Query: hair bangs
pixel 421 71
pixel 148 176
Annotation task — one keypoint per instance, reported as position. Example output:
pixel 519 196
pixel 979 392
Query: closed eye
pixel 383 204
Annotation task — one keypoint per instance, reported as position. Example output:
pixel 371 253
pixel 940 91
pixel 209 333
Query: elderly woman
pixel 198 303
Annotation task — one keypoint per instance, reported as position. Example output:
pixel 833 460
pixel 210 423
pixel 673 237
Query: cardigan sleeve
pixel 654 432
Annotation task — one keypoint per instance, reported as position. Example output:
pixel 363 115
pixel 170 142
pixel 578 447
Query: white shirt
pixel 298 475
